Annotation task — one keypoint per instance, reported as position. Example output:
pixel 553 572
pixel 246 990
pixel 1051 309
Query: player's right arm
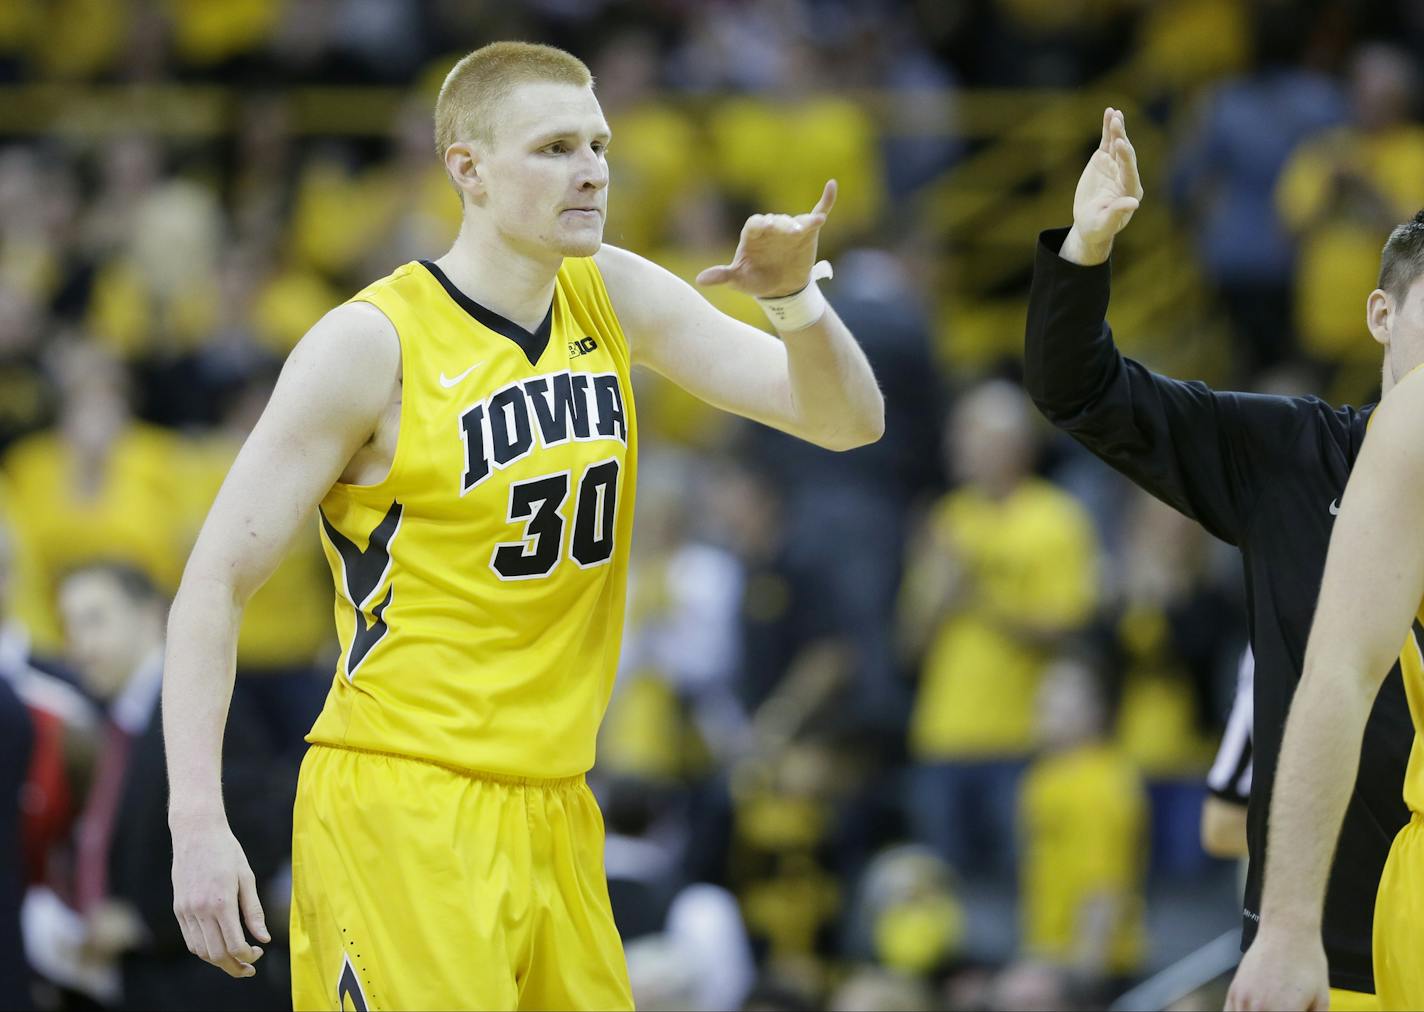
pixel 327 404
pixel 1192 447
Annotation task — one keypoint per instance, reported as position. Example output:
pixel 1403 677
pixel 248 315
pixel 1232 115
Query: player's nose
pixel 593 181
pixel 592 172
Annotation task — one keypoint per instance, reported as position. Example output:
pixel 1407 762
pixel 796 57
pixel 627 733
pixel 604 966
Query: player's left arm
pixel 815 383
pixel 1374 580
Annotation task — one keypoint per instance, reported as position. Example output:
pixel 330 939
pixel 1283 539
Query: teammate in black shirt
pixel 1371 599
pixel 1264 473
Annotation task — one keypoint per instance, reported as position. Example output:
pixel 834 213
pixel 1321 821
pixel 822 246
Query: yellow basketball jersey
pixel 1411 665
pixel 480 586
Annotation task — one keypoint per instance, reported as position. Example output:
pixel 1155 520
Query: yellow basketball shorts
pixel 415 886
pixel 1399 922
pixel 1352 1001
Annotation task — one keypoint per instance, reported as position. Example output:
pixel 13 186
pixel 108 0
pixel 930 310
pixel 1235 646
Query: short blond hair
pixel 475 86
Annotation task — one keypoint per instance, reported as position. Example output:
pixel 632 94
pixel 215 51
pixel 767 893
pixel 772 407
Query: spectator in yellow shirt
pixel 98 486
pixel 1339 195
pixel 768 150
pixel 1083 825
pixel 659 156
pixel 1007 569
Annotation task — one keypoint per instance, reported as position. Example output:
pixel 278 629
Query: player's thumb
pixel 1121 209
pixel 251 907
pixel 1113 217
pixel 715 275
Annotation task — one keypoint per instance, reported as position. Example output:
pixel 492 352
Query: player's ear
pixel 1379 307
pixel 462 161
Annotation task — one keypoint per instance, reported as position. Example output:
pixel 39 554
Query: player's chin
pixel 580 235
pixel 582 244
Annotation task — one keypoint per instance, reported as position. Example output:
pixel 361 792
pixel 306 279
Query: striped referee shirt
pixel 1230 775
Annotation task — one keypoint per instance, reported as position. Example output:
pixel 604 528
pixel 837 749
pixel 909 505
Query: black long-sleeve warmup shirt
pixel 1265 474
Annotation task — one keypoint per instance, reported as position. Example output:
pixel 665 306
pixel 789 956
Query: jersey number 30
pixel 539 504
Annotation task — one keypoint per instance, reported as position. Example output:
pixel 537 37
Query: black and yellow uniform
pixel 446 852
pixel 1399 909
pixel 1264 473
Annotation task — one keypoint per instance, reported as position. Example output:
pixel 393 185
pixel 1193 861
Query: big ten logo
pixel 582 346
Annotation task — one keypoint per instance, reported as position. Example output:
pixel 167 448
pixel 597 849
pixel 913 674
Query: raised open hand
pixel 1109 191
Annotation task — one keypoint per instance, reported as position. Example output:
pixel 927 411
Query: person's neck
pixel 133 705
pixel 1395 369
pixel 511 282
pixel 1075 746
pixel 1001 487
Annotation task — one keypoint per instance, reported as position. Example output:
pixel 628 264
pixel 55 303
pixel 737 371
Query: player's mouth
pixel 589 213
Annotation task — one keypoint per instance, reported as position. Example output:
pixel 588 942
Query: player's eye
pixel 557 148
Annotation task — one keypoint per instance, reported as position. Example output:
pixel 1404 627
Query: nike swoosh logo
pixel 1335 508
pixel 447 382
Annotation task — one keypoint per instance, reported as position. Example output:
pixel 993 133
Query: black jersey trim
pixel 531 343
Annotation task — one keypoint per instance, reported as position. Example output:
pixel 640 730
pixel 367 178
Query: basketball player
pixel 465 431
pixel 1370 602
pixel 1260 472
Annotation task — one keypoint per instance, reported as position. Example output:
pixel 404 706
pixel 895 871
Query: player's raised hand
pixel 1281 972
pixel 776 251
pixel 1109 191
pixel 214 893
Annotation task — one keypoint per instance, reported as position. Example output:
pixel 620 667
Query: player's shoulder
pixel 631 283
pixel 635 284
pixel 619 262
pixel 622 270
pixel 343 368
pixel 1400 413
pixel 581 276
pixel 398 281
pixel 1413 381
pixel 356 332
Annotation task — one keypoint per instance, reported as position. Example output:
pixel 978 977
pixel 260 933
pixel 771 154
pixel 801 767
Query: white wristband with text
pixel 800 309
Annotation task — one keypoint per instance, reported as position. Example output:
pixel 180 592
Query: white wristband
pixel 800 309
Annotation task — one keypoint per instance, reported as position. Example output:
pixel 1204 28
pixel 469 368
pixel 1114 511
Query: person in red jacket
pixel 61 720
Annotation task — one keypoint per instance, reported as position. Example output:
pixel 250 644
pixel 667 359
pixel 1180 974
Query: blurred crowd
pixel 919 725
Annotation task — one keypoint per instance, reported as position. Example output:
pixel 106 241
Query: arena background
pixel 921 725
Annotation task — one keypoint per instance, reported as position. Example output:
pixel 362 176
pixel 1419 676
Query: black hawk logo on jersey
pixel 364 573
